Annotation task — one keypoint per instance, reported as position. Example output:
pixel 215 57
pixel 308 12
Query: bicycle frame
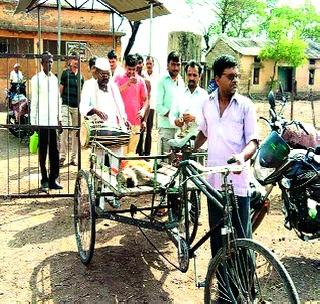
pixel 223 202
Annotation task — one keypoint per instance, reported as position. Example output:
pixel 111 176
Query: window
pixel 16 45
pixel 312 61
pixel 311 76
pixel 256 75
pixel 76 46
pixel 52 47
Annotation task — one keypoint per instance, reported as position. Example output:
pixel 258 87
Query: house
pixel 86 31
pixel 256 74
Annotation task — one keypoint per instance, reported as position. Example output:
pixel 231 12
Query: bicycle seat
pixel 181 142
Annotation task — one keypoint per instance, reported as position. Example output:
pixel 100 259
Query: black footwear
pixel 73 163
pixel 55 186
pixel 61 162
pixel 44 186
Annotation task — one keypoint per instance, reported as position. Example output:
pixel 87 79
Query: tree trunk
pixel 134 30
pixel 273 75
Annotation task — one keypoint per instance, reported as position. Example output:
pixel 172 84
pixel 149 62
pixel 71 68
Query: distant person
pixel 116 68
pixel 144 145
pixel 92 67
pixel 71 83
pixel 186 112
pixel 145 142
pixel 170 88
pixel 17 81
pixel 16 75
pixel 135 98
pixel 212 86
pixel 46 111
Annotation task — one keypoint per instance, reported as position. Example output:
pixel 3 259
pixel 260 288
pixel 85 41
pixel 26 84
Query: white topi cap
pixel 102 64
pixel 16 65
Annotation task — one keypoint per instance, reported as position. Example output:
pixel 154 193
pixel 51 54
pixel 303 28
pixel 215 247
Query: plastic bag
pixel 33 143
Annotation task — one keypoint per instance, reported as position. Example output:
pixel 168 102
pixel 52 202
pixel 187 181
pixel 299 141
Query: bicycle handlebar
pixel 216 169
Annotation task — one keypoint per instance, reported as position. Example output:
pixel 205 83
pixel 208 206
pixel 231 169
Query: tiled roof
pixel 252 47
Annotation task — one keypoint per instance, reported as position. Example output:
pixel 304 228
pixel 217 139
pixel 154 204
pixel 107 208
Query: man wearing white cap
pixel 16 75
pixel 17 81
pixel 102 97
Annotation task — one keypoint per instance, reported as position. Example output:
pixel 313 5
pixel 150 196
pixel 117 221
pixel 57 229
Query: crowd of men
pixel 130 97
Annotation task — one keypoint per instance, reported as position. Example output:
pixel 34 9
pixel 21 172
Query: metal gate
pixel 20 174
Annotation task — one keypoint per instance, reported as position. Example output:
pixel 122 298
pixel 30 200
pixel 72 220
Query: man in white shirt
pixel 116 69
pixel 102 97
pixel 46 115
pixel 186 112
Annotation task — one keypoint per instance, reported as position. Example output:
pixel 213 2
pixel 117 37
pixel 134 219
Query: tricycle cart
pixel 98 194
pixel 242 271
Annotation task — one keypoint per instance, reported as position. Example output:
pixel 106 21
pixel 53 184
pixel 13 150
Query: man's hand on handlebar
pixel 237 158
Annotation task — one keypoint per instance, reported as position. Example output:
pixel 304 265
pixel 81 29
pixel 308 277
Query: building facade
pixel 256 74
pixel 85 31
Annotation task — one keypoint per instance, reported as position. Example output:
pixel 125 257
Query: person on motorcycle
pixel 229 126
pixel 17 81
pixel 16 75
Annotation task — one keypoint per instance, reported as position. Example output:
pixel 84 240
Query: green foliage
pixel 290 51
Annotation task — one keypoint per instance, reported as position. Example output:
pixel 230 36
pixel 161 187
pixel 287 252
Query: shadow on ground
pixel 120 273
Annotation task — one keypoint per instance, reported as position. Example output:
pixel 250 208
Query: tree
pixel 286 30
pixel 235 18
pixel 134 30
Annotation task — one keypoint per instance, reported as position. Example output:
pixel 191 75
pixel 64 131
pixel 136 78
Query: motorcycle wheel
pixel 16 130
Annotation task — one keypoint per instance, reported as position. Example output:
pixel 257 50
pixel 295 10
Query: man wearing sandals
pixel 230 129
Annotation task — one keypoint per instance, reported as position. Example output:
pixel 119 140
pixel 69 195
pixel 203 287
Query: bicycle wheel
pixel 194 212
pixel 249 273
pixel 178 214
pixel 84 217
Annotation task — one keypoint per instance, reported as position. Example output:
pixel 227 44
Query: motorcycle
pixel 289 157
pixel 18 110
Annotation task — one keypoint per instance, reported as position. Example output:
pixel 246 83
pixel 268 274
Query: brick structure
pixel 256 74
pixel 19 35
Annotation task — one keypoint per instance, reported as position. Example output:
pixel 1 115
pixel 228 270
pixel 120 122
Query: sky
pixel 182 18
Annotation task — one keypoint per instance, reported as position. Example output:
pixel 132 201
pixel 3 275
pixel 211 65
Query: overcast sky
pixel 182 18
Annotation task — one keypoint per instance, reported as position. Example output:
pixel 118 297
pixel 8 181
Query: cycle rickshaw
pixel 243 271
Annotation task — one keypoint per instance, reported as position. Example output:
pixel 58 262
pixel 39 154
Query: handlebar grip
pixel 232 160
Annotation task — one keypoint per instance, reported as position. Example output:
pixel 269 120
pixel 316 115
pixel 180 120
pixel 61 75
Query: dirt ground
pixel 39 261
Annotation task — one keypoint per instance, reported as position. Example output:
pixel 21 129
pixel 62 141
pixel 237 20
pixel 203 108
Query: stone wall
pixel 187 44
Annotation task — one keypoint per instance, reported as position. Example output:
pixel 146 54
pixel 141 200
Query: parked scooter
pixel 18 110
pixel 295 171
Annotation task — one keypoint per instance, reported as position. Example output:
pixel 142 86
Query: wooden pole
pixel 312 108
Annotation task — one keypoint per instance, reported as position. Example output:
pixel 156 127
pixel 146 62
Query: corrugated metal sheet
pixel 134 10
pixel 313 50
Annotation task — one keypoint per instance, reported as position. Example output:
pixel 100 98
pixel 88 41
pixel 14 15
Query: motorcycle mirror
pixel 271 100
pixel 273 115
pixel 317 150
